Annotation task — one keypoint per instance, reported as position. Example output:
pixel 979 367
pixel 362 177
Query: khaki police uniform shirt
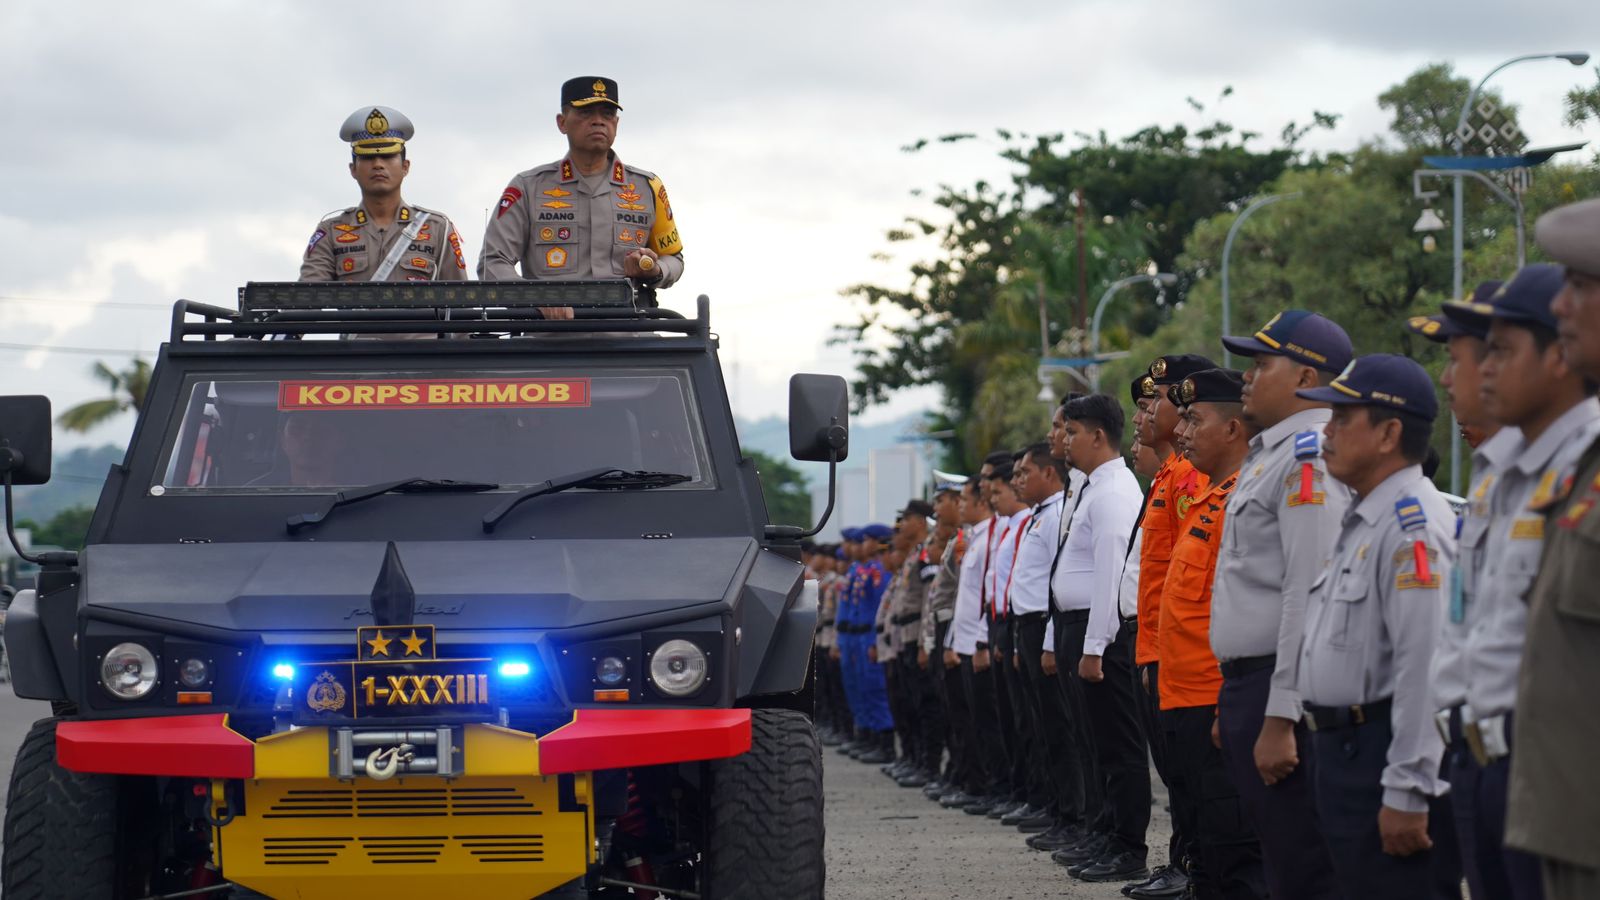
pixel 827 609
pixel 351 246
pixel 1516 533
pixel 1280 523
pixel 1554 779
pixel 940 607
pixel 551 222
pixel 1472 548
pixel 1372 620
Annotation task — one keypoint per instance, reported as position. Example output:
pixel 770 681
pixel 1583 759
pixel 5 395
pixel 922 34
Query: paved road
pixel 884 842
pixel 887 842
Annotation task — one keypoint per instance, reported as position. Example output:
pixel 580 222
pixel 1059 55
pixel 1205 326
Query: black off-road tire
pixel 61 828
pixel 764 829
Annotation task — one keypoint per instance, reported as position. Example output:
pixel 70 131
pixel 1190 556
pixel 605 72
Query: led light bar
pixel 259 297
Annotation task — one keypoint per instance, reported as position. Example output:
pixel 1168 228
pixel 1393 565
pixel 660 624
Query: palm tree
pixel 127 392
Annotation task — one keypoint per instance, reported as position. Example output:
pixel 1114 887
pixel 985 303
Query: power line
pixel 92 351
pixel 108 304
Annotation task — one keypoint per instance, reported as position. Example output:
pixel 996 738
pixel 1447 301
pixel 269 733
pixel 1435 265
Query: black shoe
pixel 1059 837
pixel 956 799
pixel 849 747
pixel 914 780
pixel 982 805
pixel 1006 808
pixel 1123 866
pixel 1088 850
pixel 935 789
pixel 830 738
pixel 874 756
pixel 1025 811
pixel 1166 883
pixel 1043 821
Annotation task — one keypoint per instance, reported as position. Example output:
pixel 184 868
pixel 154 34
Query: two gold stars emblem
pixel 413 644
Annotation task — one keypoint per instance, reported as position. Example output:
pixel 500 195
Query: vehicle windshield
pixel 315 433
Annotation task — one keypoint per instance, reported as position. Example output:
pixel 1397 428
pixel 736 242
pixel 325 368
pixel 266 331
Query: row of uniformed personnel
pixel 1330 665
pixel 587 215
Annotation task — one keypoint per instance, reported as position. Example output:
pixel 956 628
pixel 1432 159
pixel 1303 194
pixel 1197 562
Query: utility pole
pixel 1083 275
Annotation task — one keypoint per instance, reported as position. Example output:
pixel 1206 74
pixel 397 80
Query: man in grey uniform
pixel 1554 779
pixel 1527 385
pixel 1282 517
pixel 1372 619
pixel 1493 447
pixel 383 238
pixel 587 215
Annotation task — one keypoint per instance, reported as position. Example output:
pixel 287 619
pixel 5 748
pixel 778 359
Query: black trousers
pixel 901 705
pixel 933 727
pixel 1047 725
pixel 1478 801
pixel 1225 859
pixel 1027 781
pixel 1121 758
pixel 1293 854
pixel 831 684
pixel 1149 714
pixel 990 761
pixel 1087 786
pixel 1347 766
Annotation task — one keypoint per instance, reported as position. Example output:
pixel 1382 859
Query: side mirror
pixel 819 418
pixel 25 439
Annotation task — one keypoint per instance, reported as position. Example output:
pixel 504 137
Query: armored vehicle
pixel 403 590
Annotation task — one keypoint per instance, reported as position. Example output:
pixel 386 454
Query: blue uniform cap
pixel 877 531
pixel 1382 379
pixel 1527 298
pixel 1441 328
pixel 850 534
pixel 1301 335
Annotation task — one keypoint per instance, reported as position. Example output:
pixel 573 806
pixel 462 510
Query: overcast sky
pixel 162 150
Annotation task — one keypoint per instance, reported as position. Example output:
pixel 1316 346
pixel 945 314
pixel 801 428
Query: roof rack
pixel 297 309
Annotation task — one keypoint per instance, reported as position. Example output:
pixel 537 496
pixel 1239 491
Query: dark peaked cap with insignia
pixel 587 90
pixel 1382 379
pixel 376 131
pixel 1211 386
pixel 1173 369
pixel 1527 297
pixel 1441 328
pixel 1303 336
pixel 1143 388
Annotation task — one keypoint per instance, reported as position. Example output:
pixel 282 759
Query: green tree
pixel 788 497
pixel 66 529
pixel 1424 109
pixel 127 392
pixel 1583 103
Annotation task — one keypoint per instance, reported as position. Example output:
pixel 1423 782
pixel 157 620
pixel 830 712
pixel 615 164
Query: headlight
pixel 610 671
pixel 678 668
pixel 194 674
pixel 128 671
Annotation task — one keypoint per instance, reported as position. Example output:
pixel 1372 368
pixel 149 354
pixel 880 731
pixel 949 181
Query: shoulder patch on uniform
pixel 1408 510
pixel 316 236
pixel 1306 446
pixel 508 200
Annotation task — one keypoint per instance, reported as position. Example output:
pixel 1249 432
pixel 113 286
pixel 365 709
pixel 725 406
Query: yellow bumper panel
pixel 498 831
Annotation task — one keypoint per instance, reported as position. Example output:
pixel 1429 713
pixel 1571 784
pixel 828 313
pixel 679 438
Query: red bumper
pixel 192 746
pixel 203 746
pixel 623 738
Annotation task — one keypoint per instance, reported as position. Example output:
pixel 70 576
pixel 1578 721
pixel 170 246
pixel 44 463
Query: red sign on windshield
pixel 514 393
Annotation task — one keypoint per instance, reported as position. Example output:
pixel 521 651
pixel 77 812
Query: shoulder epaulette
pixel 1408 510
pixel 1306 446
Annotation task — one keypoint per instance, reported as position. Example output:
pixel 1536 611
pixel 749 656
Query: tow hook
pixel 382 764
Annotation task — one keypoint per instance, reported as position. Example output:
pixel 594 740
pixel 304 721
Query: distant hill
pixel 771 436
pixel 75 479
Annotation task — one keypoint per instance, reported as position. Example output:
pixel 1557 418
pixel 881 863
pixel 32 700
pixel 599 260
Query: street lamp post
pixel 1227 250
pixel 1456 205
pixel 1165 279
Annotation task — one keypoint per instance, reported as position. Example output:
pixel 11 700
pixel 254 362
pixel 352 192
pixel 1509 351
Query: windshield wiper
pixel 401 486
pixel 600 479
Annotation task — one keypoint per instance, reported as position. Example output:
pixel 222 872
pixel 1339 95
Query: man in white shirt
pixel 1097 656
pixel 1040 480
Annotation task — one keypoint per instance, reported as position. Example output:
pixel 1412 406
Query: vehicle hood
pixel 309 586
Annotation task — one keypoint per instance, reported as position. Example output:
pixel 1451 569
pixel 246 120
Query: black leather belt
pixel 1327 718
pixel 1072 616
pixel 906 619
pixel 1244 665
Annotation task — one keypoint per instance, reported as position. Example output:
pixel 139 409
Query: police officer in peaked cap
pixel 383 238
pixel 588 214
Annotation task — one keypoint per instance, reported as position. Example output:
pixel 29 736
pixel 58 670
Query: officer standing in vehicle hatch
pixel 384 238
pixel 587 215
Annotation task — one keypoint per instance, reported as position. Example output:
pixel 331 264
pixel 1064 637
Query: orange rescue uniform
pixel 1189 672
pixel 1172 492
